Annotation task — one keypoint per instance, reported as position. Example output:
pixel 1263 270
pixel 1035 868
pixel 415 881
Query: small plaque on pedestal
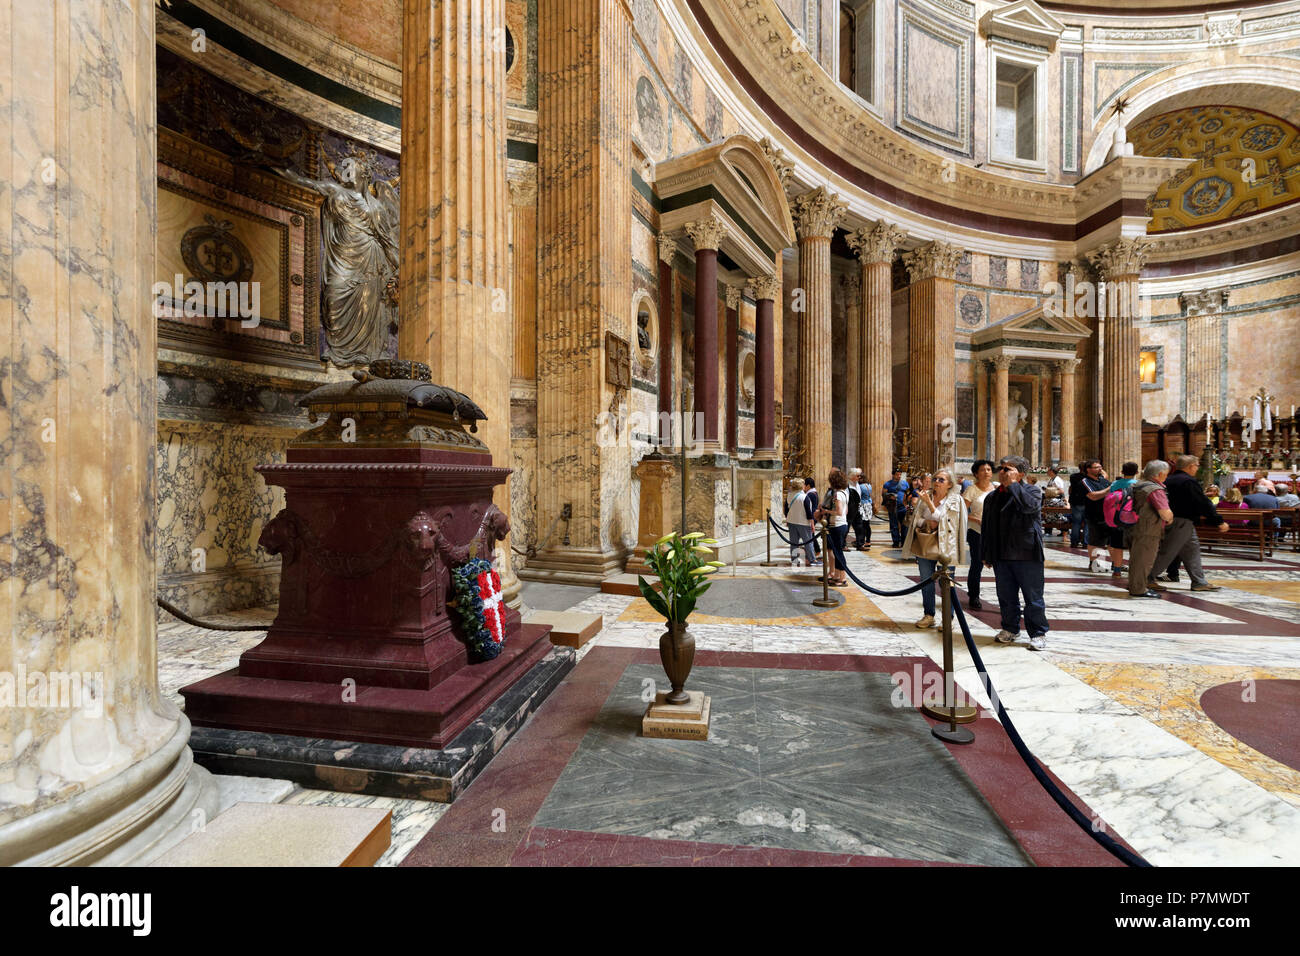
pixel 688 721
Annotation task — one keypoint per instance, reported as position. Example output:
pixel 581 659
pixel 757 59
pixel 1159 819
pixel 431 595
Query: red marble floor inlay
pixel 491 823
pixel 1266 723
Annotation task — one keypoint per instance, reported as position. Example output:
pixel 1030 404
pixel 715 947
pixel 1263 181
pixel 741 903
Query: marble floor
pixel 1112 708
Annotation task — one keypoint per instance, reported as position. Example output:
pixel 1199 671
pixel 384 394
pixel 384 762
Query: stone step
pixel 278 834
pixel 568 628
pixel 626 584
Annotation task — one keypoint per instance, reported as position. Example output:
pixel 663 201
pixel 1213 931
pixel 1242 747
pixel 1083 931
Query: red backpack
pixel 1117 508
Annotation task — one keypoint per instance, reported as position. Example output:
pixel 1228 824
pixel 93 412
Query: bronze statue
pixel 359 231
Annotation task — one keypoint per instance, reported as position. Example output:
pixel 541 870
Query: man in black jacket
pixel 1012 545
pixel 1188 503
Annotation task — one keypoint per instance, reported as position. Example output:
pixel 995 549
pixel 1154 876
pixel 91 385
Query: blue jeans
pixel 1078 527
pixel 801 536
pixel 926 567
pixel 1014 578
pixel 974 545
pixel 895 526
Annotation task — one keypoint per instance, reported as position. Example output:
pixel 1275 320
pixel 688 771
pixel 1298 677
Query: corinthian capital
pixel 878 243
pixel 817 212
pixel 1121 257
pixel 706 233
pixel 1204 302
pixel 523 192
pixel 733 297
pixel 765 287
pixel 667 247
pixel 934 260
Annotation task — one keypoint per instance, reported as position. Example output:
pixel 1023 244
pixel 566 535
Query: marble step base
pixel 626 585
pixel 275 834
pixel 568 628
pixel 383 769
pixel 688 721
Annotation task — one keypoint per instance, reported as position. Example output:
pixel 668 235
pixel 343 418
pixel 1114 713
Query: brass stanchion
pixel 769 563
pixel 949 711
pixel 825 600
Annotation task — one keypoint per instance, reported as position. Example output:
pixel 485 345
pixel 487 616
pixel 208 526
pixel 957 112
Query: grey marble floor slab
pixel 796 759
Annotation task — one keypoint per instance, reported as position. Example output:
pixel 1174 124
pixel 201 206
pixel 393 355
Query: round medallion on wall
pixel 1207 196
pixel 213 253
pixel 1261 137
pixel 972 309
pixel 650 116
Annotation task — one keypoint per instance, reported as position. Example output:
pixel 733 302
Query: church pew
pixel 1256 536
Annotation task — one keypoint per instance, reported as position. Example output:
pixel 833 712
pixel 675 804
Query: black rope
pixel 778 531
pixel 1108 843
pixel 177 612
pixel 844 566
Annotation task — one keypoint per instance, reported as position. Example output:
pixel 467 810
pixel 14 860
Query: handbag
pixel 925 544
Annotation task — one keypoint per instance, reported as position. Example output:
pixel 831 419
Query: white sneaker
pixel 1094 565
pixel 1038 643
pixel 1006 637
pixel 927 621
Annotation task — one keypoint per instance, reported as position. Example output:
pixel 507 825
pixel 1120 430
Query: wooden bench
pixel 1257 535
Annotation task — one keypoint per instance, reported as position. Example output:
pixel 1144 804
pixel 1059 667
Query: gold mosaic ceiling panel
pixel 1246 162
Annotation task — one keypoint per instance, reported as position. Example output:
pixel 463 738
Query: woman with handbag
pixel 834 511
pixel 937 534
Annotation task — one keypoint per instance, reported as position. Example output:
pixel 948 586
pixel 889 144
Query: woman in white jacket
pixel 942 512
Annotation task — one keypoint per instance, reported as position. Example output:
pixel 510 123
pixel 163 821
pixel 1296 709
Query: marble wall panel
pixel 1161 404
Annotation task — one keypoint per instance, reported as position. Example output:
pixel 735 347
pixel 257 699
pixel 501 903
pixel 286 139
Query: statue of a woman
pixel 359 229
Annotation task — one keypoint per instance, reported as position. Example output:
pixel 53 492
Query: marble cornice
pixel 1275 224
pixel 309 45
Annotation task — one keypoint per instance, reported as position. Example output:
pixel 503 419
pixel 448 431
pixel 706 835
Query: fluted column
pixel 1065 369
pixel 980 369
pixel 875 249
pixel 815 216
pixel 523 274
pixel 1120 262
pixel 932 388
pixel 667 250
pixel 851 286
pixel 453 277
pixel 1001 401
pixel 706 234
pixel 765 292
pixel 1044 430
pixel 584 282
pixel 94 762
pixel 1205 351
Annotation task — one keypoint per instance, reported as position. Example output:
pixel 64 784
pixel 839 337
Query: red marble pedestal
pixel 363 647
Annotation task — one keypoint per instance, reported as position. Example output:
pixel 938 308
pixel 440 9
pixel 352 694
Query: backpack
pixel 1117 507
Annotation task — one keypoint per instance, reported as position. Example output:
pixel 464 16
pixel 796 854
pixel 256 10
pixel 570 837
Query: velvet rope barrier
pixel 1107 842
pixel 843 565
pixel 779 533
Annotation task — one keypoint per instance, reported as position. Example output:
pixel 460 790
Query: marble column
pixel 1045 418
pixel 766 289
pixel 523 274
pixel 1206 352
pixel 706 234
pixel 453 280
pixel 852 294
pixel 932 364
pixel 815 216
pixel 94 762
pixel 733 369
pixel 1120 263
pixel 584 108
pixel 1001 402
pixel 667 250
pixel 980 369
pixel 875 249
pixel 1065 369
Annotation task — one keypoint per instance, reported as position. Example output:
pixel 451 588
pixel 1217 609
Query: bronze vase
pixel 677 652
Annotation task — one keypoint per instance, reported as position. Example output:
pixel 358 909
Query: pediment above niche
pixel 1038 326
pixel 1024 21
